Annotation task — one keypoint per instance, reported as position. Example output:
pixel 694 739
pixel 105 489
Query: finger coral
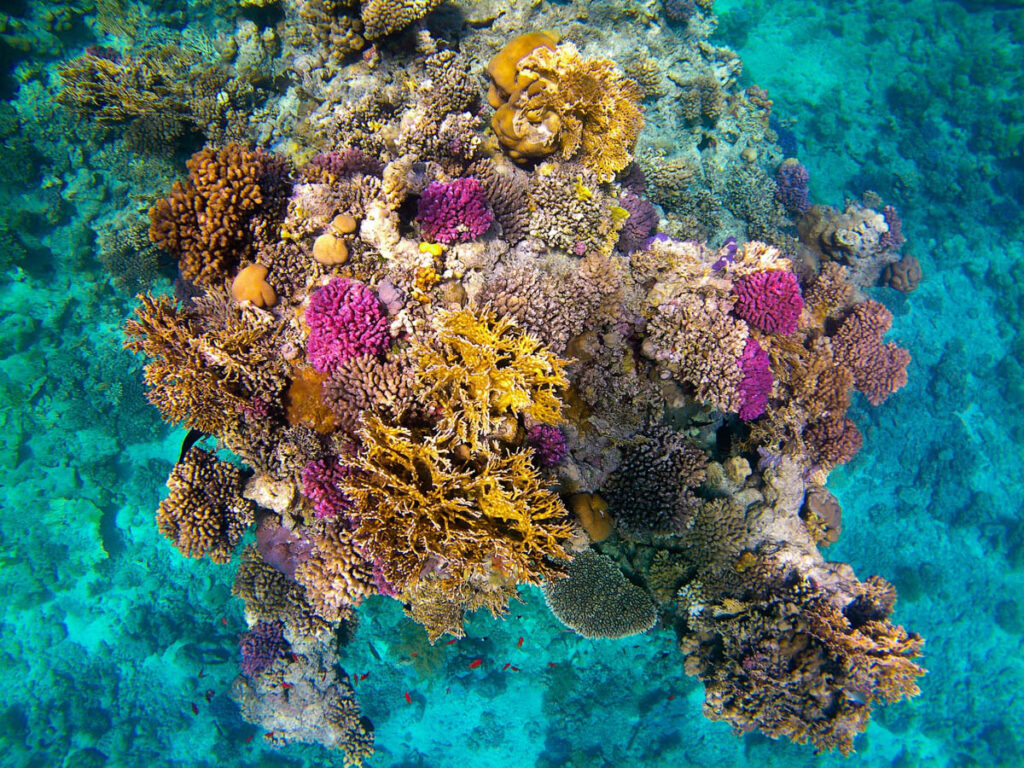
pixel 204 221
pixel 335 576
pixel 878 369
pixel 560 102
pixel 345 319
pixel 204 514
pixel 595 600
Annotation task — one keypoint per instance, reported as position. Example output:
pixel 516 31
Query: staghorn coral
pixel 583 109
pixel 762 658
pixel 336 577
pixel 203 222
pixel 385 17
pixel 596 601
pixel 204 514
pixel 878 369
pixel 652 491
pixel 481 370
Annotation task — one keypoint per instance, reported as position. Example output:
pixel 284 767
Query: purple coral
pixel 346 320
pixel 642 221
pixel 320 484
pixel 770 301
pixel 261 646
pixel 455 211
pixel 756 385
pixel 893 239
pixel 791 187
pixel 284 549
pixel 548 444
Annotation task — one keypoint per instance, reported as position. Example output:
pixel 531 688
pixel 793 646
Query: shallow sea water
pixel 109 638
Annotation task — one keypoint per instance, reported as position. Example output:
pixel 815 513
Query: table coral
pixel 596 601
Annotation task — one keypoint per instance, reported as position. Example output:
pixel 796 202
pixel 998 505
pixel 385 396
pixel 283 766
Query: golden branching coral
pixel 560 102
pixel 199 375
pixel 788 661
pixel 424 507
pixel 204 514
pixel 484 373
pixel 385 17
pixel 336 576
pixel 439 605
pixel 204 223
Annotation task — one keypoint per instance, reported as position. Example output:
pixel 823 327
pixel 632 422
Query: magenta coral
pixel 878 369
pixel 757 380
pixel 770 301
pixel 345 319
pixel 261 646
pixel 320 484
pixel 893 239
pixel 455 211
pixel 548 444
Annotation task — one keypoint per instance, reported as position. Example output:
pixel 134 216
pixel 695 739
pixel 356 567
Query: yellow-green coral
pixel 385 17
pixel 482 370
pixel 424 507
pixel 581 108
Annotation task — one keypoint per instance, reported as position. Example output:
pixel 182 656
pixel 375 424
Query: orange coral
pixel 251 285
pixel 204 221
pixel 560 102
pixel 304 402
pixel 205 513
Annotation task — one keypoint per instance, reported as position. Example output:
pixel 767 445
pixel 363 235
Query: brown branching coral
pixel 423 508
pixel 197 375
pixel 205 513
pixel 364 382
pixel 204 222
pixel 569 211
pixel 483 370
pixel 765 657
pixel 385 17
pixel 878 369
pixel 336 576
pixel 440 605
pixel 560 102
pixel 596 601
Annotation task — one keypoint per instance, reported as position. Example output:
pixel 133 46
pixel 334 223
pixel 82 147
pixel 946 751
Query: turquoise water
pixel 118 651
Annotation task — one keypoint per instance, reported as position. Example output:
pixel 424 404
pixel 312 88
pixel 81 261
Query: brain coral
pixel 596 601
pixel 345 319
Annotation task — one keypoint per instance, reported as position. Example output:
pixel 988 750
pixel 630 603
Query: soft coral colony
pixel 453 358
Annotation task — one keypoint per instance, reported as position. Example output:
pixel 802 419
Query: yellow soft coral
pixel 483 369
pixel 563 103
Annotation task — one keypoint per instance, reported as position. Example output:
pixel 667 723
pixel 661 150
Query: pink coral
pixel 320 484
pixel 878 369
pixel 757 381
pixel 770 301
pixel 454 212
pixel 548 444
pixel 346 319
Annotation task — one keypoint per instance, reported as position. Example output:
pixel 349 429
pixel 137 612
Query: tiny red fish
pixel 520 643
pixel 268 735
pixel 286 686
pixel 414 654
pixel 452 641
pixel 202 673
pixel 514 669
pixel 552 664
pixel 208 695
pixel 195 709
pixel 249 738
pixel 408 698
pixel 507 665
pixel 475 663
pixel 670 698
pixel 223 621
pixel 364 676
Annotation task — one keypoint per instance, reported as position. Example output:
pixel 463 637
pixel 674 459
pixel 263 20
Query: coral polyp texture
pixel 452 365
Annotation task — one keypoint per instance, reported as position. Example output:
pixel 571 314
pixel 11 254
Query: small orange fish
pixel 514 669
pixel 286 686
pixel 475 663
pixel 195 709
pixel 552 664
pixel 223 621
pixel 507 665
pixel 408 698
pixel 452 641
pixel 520 643
pixel 249 738
pixel 364 676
